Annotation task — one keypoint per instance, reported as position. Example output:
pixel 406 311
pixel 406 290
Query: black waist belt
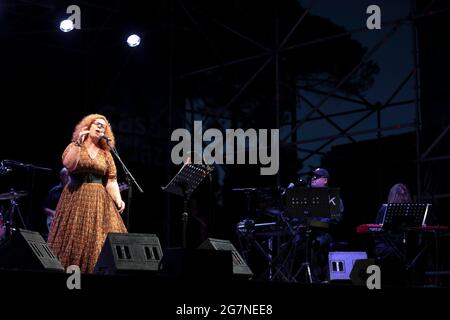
pixel 87 178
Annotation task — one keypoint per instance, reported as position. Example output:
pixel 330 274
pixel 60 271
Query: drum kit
pixel 279 232
pixel 13 214
pixel 7 219
pixel 267 232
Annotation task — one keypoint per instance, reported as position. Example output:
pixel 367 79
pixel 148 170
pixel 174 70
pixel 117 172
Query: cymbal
pixel 12 195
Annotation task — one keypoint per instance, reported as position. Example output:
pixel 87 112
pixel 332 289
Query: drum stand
pixel 306 264
pixel 9 217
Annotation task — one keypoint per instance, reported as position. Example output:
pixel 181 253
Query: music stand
pixel 313 202
pixel 399 218
pixel 183 184
pixel 309 203
pixel 405 215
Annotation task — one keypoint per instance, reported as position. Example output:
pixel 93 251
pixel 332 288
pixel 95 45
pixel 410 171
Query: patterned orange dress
pixel 85 213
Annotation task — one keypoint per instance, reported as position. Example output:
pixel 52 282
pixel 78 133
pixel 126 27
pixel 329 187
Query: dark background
pixel 218 62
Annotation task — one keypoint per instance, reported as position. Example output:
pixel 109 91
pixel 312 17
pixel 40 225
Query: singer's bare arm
pixel 112 187
pixel 72 157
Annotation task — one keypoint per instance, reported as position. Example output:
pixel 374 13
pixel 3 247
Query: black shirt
pixel 53 196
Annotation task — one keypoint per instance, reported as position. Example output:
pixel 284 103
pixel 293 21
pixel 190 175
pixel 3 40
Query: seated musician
pixel 322 239
pixel 390 245
pixel 320 180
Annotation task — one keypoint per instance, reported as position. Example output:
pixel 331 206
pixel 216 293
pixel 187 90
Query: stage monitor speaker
pixel 240 267
pixel 128 253
pixel 341 263
pixel 27 250
pixel 359 273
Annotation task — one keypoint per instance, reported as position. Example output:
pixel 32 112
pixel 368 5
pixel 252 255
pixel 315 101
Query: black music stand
pixel 399 216
pixel 310 203
pixel 398 219
pixel 313 202
pixel 183 184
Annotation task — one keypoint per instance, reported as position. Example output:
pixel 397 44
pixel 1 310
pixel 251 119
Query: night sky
pixel 394 58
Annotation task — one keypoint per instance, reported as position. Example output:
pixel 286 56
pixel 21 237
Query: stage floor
pixel 189 298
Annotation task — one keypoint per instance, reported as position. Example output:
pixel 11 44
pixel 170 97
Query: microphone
pixel 105 137
pixel 298 183
pixel 290 186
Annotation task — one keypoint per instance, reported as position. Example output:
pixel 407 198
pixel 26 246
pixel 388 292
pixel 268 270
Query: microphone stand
pixel 130 181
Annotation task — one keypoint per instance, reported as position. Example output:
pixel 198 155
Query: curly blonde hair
pixel 87 121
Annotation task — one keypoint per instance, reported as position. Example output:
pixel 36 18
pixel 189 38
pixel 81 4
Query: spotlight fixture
pixel 66 25
pixel 133 40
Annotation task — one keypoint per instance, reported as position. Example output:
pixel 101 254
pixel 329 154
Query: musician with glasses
pixel 321 239
pixel 91 204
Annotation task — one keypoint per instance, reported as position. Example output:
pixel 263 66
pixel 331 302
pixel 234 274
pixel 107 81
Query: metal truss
pixel 362 107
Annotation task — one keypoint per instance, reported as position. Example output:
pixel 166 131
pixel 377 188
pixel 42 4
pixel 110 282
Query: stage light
pixel 133 40
pixel 66 25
